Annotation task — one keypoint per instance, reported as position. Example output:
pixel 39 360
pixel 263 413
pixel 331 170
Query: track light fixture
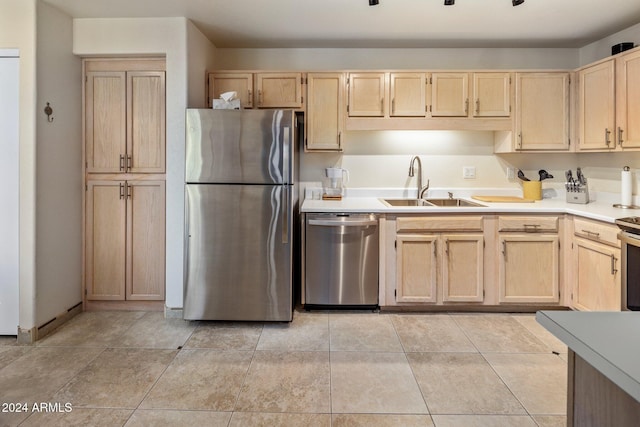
pixel 517 2
pixel 449 2
pixel 375 2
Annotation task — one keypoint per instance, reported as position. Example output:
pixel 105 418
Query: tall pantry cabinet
pixel 124 131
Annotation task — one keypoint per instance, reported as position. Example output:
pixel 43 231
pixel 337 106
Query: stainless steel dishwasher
pixel 341 259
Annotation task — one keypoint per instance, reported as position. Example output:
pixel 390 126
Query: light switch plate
pixel 469 172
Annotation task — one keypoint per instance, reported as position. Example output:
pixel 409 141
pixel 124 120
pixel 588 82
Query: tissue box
pixel 221 104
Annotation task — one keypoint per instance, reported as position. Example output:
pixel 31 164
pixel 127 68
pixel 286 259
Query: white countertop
pixel 608 341
pixel 369 200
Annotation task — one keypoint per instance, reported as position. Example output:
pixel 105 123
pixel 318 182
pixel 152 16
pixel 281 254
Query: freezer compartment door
pixel 245 147
pixel 238 252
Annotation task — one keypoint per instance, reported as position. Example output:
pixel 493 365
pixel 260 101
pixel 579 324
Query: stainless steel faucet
pixel 421 189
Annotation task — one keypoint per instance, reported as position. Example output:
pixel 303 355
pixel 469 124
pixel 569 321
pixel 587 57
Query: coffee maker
pixel 337 178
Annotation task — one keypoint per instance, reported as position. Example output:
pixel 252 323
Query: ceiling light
pixel 449 2
pixel 515 2
pixel 375 2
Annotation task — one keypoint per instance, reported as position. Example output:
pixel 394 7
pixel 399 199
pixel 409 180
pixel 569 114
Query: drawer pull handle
pixel 531 228
pixel 591 234
pixel 607 132
pixel 614 270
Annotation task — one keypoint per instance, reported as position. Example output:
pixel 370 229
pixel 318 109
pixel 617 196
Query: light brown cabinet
pixel 124 120
pixel 325 111
pixel 596 257
pixel 542 111
pixel 449 94
pixel 366 95
pixel 628 100
pixel 491 94
pixel 272 90
pixel 439 254
pixel 529 261
pixel 408 93
pixel 125 244
pixel 596 109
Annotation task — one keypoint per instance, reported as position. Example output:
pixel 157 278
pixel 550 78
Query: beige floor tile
pixel 161 418
pixel 118 378
pixel 226 336
pixel 381 420
pixel 258 419
pixel 7 340
pixel 374 383
pixel 12 419
pixel 539 381
pixel 427 332
pixel 461 383
pixel 550 420
pixel 37 375
pixel 307 332
pixel 362 332
pixel 499 333
pixel 10 353
pixel 93 329
pixel 483 421
pixel 154 331
pixel 80 417
pixel 287 382
pixel 201 379
pixel 529 322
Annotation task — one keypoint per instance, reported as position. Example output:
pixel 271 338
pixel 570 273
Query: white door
pixel 9 191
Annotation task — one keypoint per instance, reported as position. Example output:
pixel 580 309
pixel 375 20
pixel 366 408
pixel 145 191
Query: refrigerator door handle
pixel 285 214
pixel 286 147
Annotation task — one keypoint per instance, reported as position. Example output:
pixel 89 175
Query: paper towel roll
pixel 625 189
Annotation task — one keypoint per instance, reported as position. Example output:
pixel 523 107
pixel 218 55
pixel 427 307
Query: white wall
pixel 18 31
pixel 58 167
pixel 200 58
pixel 344 59
pixel 602 48
pixel 153 36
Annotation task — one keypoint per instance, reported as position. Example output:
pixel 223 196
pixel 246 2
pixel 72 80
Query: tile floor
pixel 323 369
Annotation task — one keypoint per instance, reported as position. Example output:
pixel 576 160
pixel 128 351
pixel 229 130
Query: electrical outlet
pixel 469 172
pixel 511 173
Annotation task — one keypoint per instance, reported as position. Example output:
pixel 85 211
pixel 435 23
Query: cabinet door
pixel 241 83
pixel 628 100
pixel 416 260
pixel 596 108
pixel 408 94
pixel 463 268
pixel 325 101
pixel 146 121
pixel 366 95
pixel 450 94
pixel 105 121
pixel 279 90
pixel 598 283
pixel 528 268
pixel 542 111
pixel 491 95
pixel 105 240
pixel 145 267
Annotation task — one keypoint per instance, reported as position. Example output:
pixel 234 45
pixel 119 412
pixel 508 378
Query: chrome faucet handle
pixel 450 194
pixel 424 190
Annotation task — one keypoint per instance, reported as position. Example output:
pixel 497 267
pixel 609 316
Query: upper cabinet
pixel 366 95
pixel 408 94
pixel 542 111
pixel 124 117
pixel 325 111
pixel 272 90
pixel 491 94
pixel 609 104
pixel 449 94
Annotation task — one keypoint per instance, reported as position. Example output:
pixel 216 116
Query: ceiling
pixel 392 23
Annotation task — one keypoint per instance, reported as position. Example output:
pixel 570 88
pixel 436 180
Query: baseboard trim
pixel 29 336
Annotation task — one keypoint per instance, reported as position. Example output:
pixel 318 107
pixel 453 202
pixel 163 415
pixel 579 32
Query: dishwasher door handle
pixel 343 223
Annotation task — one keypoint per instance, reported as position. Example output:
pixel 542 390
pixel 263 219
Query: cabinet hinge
pixel 86 187
pixel 558 244
pixel 86 79
pixel 430 80
pixel 301 80
pixel 483 293
pixel 509 108
pixel 571 296
pixel 347 108
pixel 348 80
pixel 569 142
pixel 509 79
pixel 571 245
pixel 395 244
pixel 395 292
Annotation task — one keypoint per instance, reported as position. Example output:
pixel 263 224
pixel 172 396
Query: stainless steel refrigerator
pixel 241 204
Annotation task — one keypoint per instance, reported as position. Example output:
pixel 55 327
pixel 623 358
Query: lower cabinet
pixel 596 257
pixel 429 261
pixel 125 240
pixel 529 259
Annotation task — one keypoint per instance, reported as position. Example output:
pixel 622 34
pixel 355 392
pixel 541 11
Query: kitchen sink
pixel 453 203
pixel 406 202
pixel 432 202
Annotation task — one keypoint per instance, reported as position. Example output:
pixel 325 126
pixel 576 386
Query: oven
pixel 630 247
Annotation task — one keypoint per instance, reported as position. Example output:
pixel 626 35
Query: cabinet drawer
pixel 528 224
pixel 440 223
pixel 596 231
